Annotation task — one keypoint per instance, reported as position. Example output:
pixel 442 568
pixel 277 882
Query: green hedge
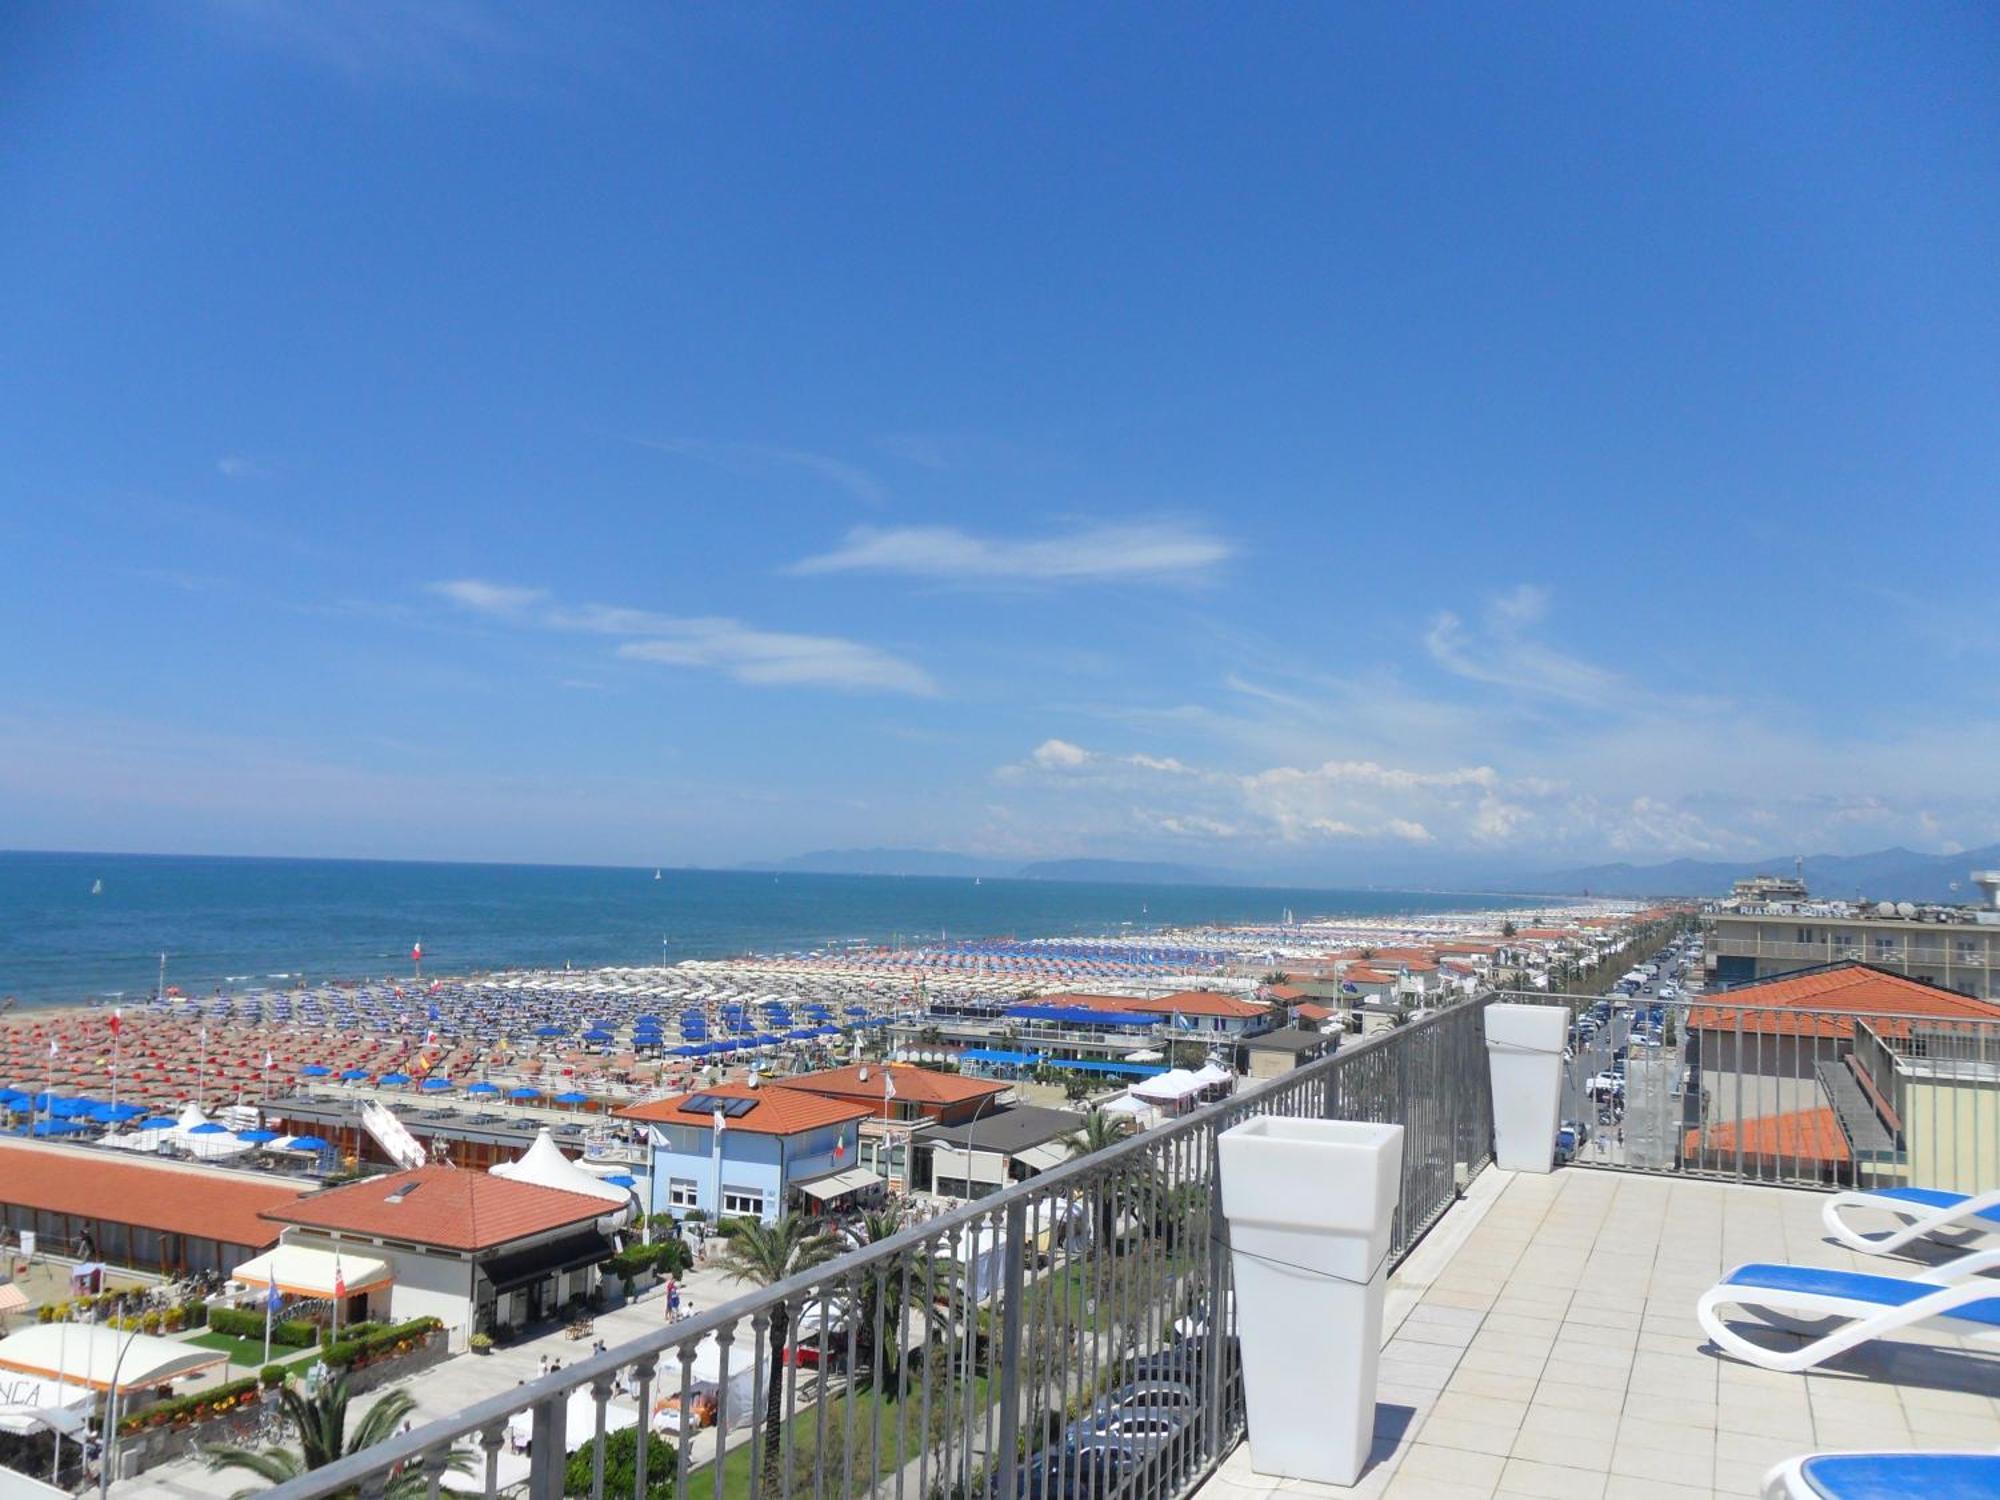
pixel 241 1323
pixel 348 1353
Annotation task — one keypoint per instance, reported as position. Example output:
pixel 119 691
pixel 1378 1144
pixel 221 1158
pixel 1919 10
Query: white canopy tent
pixel 1170 1087
pixel 1209 1075
pixel 84 1354
pixel 544 1165
pixel 579 1421
pixel 206 1145
pixel 30 1402
pixel 302 1271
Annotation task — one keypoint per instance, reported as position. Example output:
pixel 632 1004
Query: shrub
pixel 221 1397
pixel 621 1454
pixel 272 1376
pixel 480 1342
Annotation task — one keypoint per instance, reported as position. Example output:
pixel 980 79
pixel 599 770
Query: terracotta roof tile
pixel 914 1084
pixel 168 1196
pixel 1807 1135
pixel 779 1111
pixel 450 1207
pixel 1196 1003
pixel 1845 987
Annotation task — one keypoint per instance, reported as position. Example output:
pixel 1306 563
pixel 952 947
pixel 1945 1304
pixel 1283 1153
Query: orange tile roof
pixel 1804 1135
pixel 1196 1003
pixel 1312 1012
pixel 1083 1001
pixel 453 1208
pixel 1844 987
pixel 779 1111
pixel 166 1196
pixel 913 1084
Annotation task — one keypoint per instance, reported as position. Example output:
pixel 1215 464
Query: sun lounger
pixel 1956 1297
pixel 1923 1212
pixel 1885 1476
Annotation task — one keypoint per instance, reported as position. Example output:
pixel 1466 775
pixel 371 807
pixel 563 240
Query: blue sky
pixel 1303 440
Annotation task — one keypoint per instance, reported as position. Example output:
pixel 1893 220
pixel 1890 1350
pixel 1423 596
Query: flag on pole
pixel 54 1050
pixel 117 1016
pixel 721 1122
pixel 417 951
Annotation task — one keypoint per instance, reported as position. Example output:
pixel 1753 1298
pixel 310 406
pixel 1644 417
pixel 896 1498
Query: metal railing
pixel 1818 1098
pixel 1071 1334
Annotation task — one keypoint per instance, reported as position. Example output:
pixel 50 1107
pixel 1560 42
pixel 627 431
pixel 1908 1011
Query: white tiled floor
pixel 1543 1343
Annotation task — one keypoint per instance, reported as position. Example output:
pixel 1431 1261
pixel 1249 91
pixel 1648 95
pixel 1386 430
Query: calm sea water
pixel 269 921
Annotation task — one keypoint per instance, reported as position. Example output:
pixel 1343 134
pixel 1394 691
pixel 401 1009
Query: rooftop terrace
pixel 1542 1342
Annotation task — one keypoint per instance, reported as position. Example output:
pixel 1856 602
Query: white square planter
pixel 1524 1047
pixel 1311 1206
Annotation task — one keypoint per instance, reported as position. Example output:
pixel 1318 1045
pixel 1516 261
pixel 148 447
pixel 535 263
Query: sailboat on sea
pixel 656 874
pixel 97 887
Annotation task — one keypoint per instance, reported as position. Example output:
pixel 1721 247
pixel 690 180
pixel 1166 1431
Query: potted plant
pixel 480 1343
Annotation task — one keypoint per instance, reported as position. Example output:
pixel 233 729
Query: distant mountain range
pixel 1885 875
pixel 942 862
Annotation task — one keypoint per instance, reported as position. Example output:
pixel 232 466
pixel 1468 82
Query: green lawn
pixel 250 1352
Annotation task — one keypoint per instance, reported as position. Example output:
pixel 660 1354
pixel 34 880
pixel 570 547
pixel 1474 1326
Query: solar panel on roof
pixel 708 1104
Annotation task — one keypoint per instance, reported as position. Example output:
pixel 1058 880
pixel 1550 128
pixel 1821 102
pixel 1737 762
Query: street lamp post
pixel 108 1459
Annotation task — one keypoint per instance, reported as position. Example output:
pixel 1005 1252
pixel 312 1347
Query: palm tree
pixel 887 1300
pixel 767 1254
pixel 1098 1131
pixel 321 1423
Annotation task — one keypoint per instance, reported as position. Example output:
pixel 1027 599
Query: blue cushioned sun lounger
pixel 1920 1212
pixel 1885 1476
pixel 1956 1298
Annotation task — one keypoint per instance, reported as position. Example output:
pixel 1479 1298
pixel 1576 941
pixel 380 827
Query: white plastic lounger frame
pixel 1932 1473
pixel 1923 1212
pixel 1797 1298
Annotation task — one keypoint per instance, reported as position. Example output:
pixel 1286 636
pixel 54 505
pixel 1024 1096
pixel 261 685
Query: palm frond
pixel 381 1421
pixel 272 1465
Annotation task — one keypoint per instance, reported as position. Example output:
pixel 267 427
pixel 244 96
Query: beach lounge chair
pixel 1885 1476
pixel 1956 1298
pixel 1923 1212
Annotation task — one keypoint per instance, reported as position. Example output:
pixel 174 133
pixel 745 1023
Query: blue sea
pixel 270 922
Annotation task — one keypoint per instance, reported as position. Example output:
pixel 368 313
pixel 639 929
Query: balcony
pixel 1541 1337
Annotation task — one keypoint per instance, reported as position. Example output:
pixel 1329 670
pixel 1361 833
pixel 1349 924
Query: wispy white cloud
pixel 772 658
pixel 762 658
pixel 765 457
pixel 237 466
pixel 1131 551
pixel 488 598
pixel 1504 651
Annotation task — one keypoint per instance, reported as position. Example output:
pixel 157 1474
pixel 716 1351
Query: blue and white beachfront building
pixel 737 1151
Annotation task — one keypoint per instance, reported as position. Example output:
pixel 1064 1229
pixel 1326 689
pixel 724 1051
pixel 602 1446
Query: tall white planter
pixel 1524 1047
pixel 1311 1205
